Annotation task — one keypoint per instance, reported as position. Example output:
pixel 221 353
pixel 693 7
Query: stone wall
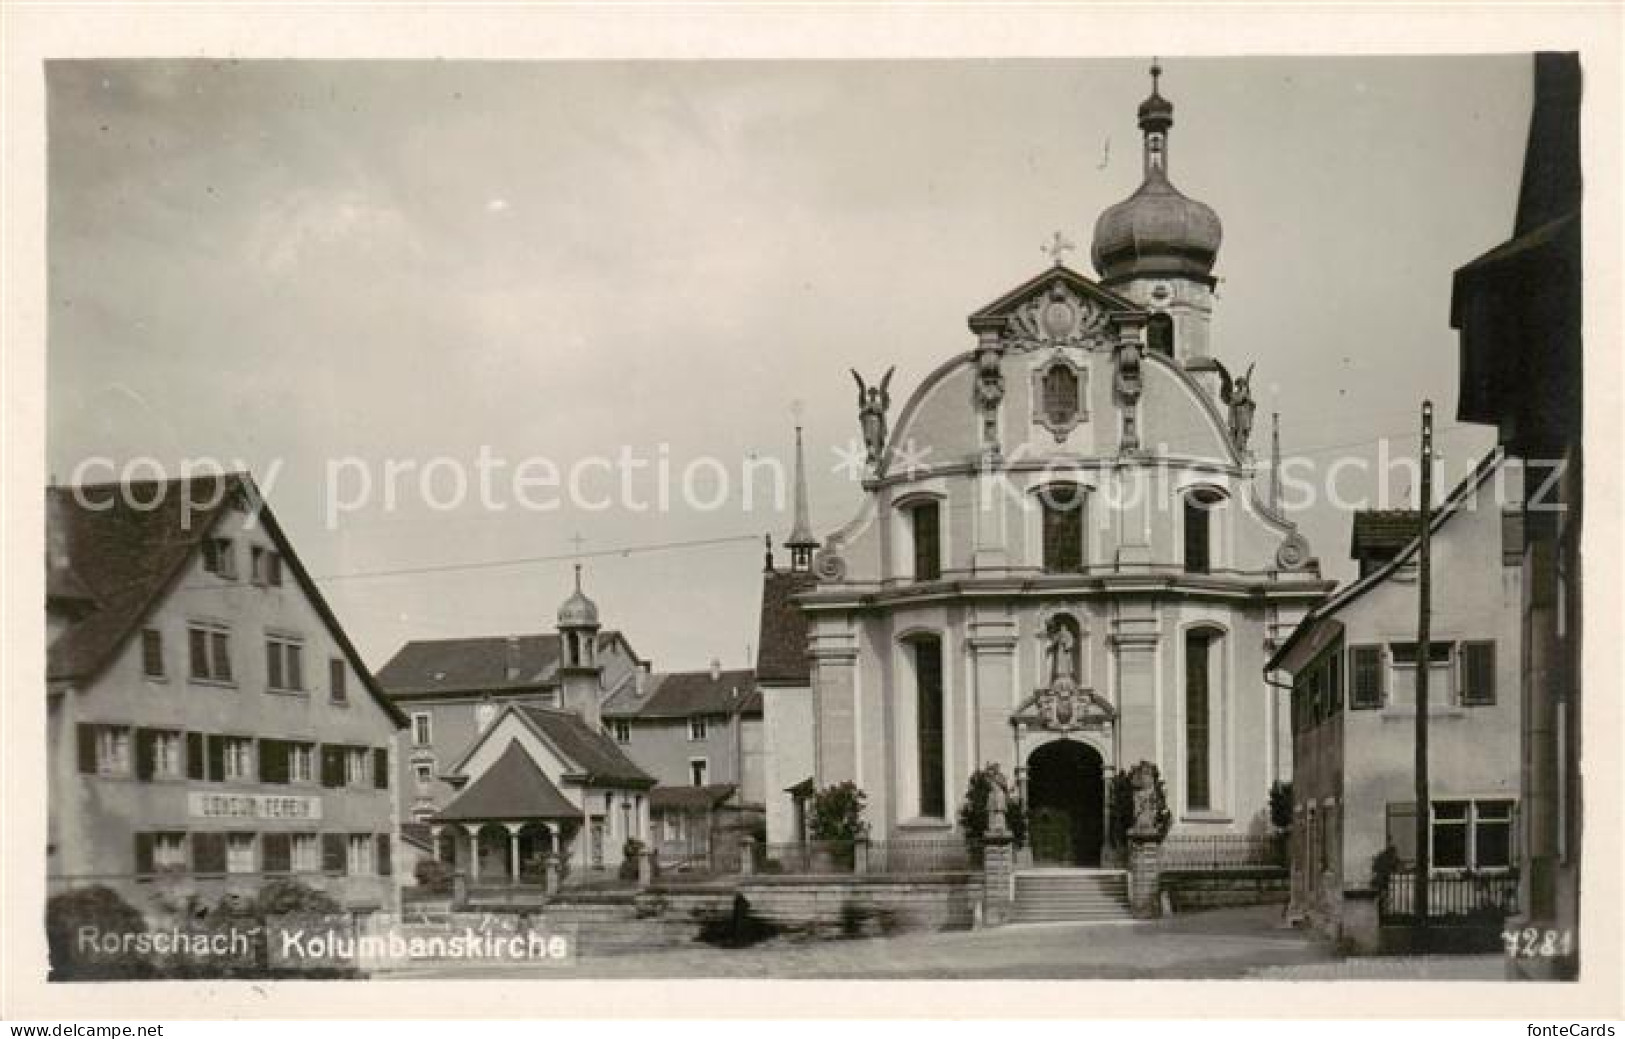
pixel 844 907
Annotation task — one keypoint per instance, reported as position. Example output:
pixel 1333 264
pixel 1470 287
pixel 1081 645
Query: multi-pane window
pixel 284 663
pixel 104 749
pixel 1365 677
pixel 697 728
pixel 1063 528
pixel 169 852
pixel 928 726
pixel 1403 669
pixel 356 771
pixel 237 758
pixel 361 862
pixel 926 520
pixel 1198 724
pixel 337 680
pixel 1477 674
pixel 301 763
pixel 622 730
pixel 152 653
pixel 306 853
pixel 210 646
pixel 425 776
pixel 422 730
pixel 1465 835
pixel 240 853
pixel 158 754
pixel 220 557
pixel 266 565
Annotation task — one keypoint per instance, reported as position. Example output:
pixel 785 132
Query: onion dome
pixel 1157 231
pixel 578 611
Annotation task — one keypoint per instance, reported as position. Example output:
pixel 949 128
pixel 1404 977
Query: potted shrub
pixel 1281 818
pixel 835 821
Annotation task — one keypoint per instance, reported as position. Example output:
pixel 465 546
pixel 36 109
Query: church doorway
pixel 1066 804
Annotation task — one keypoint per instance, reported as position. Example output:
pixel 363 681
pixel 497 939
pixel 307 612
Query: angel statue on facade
pixel 873 403
pixel 1238 394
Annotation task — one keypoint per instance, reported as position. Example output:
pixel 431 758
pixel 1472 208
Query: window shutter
pixel 87 749
pixel 222 656
pixel 273 665
pixel 144 753
pixel 198 640
pixel 333 853
pixel 332 765
pixel 380 768
pixel 1478 673
pixel 276 851
pixel 216 758
pixel 296 671
pixel 143 854
pixel 385 867
pixel 194 755
pixel 208 853
pixel 1365 677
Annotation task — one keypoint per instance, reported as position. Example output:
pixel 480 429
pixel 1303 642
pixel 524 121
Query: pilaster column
pixel 1134 641
pixel 993 644
pixel 835 657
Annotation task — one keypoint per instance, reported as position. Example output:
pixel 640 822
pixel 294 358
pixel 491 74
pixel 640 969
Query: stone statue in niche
pixel 873 403
pixel 1238 394
pixel 1062 646
pixel 989 394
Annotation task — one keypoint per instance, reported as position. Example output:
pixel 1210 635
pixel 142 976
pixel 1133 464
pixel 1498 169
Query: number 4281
pixel 1532 942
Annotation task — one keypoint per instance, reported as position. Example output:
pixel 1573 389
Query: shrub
pixel 433 875
pixel 973 812
pixel 837 813
pixel 100 908
pixel 1281 805
pixel 289 897
pixel 629 861
pixel 1384 864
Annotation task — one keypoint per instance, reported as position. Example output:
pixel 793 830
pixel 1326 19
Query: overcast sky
pixel 280 264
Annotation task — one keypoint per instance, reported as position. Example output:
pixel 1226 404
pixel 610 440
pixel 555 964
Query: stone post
pixel 747 856
pixel 513 853
pixel 459 890
pixel 1360 929
pixel 1144 875
pixel 550 873
pixel 998 878
pixel 645 869
pixel 860 855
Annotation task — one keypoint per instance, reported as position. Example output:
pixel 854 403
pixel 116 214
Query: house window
pixel 334 859
pixel 169 852
pixel 306 853
pixel 1060 396
pixel 622 730
pixel 697 728
pixel 237 759
pixel 928 725
pixel 361 862
pixel 421 730
pixel 104 750
pixel 302 763
pixel 1477 674
pixel 240 853
pixel 1063 528
pixel 157 754
pixel 925 520
pixel 284 664
pixel 1465 835
pixel 697 768
pixel 210 646
pixel 266 566
pixel 152 653
pixel 1198 517
pixel 356 772
pixel 337 678
pixel 425 776
pixel 1198 720
pixel 220 558
pixel 1402 672
pixel 1365 677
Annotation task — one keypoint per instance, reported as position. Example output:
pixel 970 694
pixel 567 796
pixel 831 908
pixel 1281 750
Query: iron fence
pixel 1481 896
pixel 864 857
pixel 925 855
pixel 1219 851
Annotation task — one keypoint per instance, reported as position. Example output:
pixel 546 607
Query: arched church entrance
pixel 1067 804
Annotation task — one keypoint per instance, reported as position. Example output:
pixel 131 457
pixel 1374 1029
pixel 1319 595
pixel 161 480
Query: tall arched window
pixel 925 523
pixel 1198 526
pixel 1062 506
pixel 1199 654
pixel 928 725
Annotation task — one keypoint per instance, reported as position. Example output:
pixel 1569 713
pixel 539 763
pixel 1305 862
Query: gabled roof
pixel 594 755
pixel 477 664
pixel 684 694
pixel 512 788
pixel 994 313
pixel 1459 496
pixel 128 545
pixel 781 647
pixel 690 798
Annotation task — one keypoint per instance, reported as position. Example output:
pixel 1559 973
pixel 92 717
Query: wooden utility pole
pixel 1424 654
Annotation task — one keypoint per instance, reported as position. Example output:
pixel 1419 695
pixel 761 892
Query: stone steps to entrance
pixel 1052 895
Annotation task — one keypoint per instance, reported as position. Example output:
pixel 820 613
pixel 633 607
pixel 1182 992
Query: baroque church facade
pixel 1067 559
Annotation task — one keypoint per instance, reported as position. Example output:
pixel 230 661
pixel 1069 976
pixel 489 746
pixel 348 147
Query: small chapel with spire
pixel 1065 560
